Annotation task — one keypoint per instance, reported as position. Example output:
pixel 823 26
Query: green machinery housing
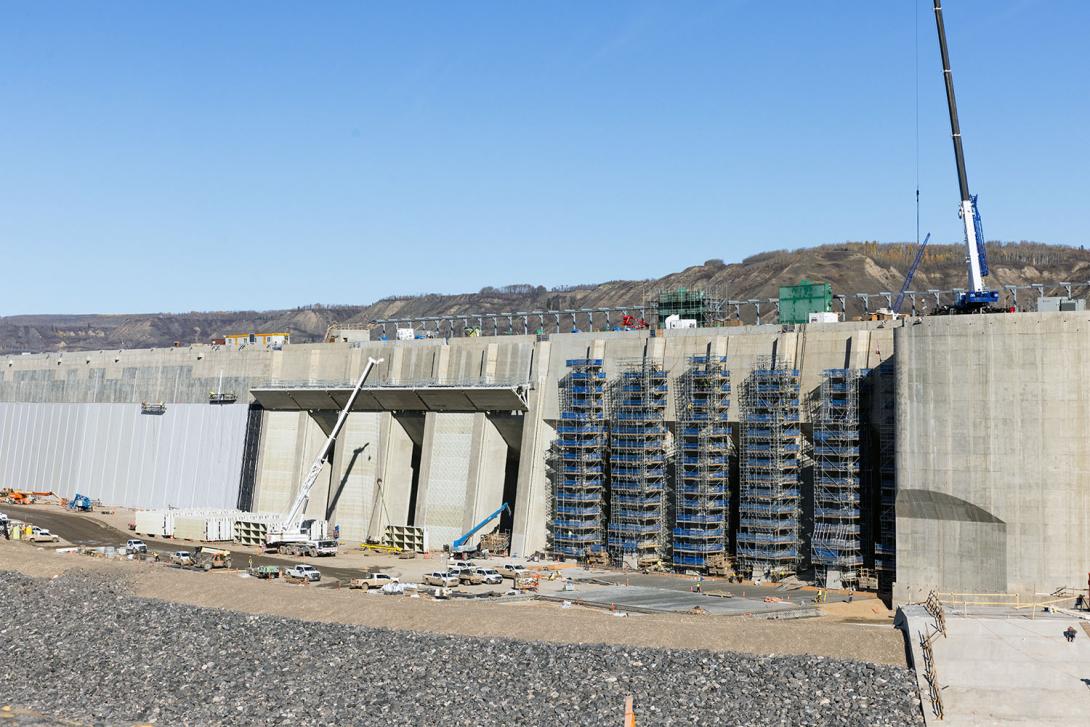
pixel 684 303
pixel 797 302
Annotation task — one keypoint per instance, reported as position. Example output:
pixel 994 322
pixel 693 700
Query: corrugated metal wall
pixel 190 456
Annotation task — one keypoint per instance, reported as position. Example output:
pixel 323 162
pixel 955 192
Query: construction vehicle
pixel 461 545
pixel 977 299
pixel 294 530
pixel 80 503
pixel 312 548
pixel 908 278
pixel 207 558
pixel 23 497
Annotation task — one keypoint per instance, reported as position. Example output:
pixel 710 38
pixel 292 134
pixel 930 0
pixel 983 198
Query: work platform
pixel 430 397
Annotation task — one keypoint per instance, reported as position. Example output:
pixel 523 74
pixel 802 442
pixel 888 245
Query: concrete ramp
pixel 1003 667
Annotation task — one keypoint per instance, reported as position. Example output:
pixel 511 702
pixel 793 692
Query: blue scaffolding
pixel 768 542
pixel 702 471
pixel 837 543
pixel 638 463
pixel 576 525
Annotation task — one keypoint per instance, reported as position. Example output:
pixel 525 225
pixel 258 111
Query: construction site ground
pixel 861 629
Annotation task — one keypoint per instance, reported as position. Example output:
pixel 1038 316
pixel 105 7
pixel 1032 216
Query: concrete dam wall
pixel 989 416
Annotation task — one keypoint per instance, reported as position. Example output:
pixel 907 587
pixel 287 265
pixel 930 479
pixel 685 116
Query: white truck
pixel 304 571
pixel 41 535
pixel 312 548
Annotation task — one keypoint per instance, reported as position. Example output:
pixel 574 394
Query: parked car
pixel 438 578
pixel 513 571
pixel 303 570
pixel 372 580
pixel 489 575
pixel 181 557
pixel 136 546
pixel 41 535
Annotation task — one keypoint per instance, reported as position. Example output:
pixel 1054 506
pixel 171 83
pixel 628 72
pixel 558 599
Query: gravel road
pixel 79 646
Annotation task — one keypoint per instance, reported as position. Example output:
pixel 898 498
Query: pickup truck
pixel 446 580
pixel 136 546
pixel 489 575
pixel 372 580
pixel 303 570
pixel 466 575
pixel 41 535
pixel 514 571
pixel 181 557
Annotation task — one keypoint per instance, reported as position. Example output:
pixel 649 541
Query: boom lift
pixel 976 299
pixel 911 274
pixel 459 545
pixel 294 530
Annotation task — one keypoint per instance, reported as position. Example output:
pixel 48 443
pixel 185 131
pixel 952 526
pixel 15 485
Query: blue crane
pixel 459 545
pixel 911 274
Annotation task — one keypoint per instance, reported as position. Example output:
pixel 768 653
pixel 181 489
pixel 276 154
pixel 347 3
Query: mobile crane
pixel 977 299
pixel 294 532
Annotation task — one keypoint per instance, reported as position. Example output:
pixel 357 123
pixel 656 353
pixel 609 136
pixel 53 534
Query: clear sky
pixel 163 156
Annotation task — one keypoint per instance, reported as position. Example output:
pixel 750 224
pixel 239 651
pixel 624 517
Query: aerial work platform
pixel 429 397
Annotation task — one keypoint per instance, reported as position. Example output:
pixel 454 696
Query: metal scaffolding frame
pixel 885 546
pixel 637 463
pixel 769 498
pixel 702 472
pixel 837 543
pixel 577 517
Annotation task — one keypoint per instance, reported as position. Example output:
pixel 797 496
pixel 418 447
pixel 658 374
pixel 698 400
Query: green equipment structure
pixel 683 303
pixel 797 302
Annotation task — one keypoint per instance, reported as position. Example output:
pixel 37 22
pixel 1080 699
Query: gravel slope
pixel 108 657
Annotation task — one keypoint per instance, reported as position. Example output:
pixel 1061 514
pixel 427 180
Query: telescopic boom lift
pixel 976 298
pixel 294 529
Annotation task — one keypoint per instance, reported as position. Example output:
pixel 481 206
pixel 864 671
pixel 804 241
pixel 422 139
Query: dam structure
pixel 973 449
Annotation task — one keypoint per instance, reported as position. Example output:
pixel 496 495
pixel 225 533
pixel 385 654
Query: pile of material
pixel 188 665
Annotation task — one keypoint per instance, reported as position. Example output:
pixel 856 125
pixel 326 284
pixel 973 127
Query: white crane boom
pixel 290 530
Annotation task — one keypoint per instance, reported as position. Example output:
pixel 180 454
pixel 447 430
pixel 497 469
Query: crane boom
pixel 459 545
pixel 290 527
pixel 976 257
pixel 911 274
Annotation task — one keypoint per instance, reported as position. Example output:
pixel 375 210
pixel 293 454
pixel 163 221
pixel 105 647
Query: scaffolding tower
pixel 637 464
pixel 769 513
pixel 885 545
pixel 702 474
pixel 837 543
pixel 578 506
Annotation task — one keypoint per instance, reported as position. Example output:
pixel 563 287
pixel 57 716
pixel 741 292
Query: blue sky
pixel 211 155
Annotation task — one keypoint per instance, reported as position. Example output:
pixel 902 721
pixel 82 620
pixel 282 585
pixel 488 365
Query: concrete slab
pixel 438 398
pixel 1004 668
pixel 641 599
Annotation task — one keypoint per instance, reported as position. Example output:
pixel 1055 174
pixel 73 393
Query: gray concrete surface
pixel 1002 667
pixel 643 599
pixel 993 454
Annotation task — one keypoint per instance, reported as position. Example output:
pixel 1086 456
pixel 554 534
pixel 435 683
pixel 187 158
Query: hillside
pixel 850 267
